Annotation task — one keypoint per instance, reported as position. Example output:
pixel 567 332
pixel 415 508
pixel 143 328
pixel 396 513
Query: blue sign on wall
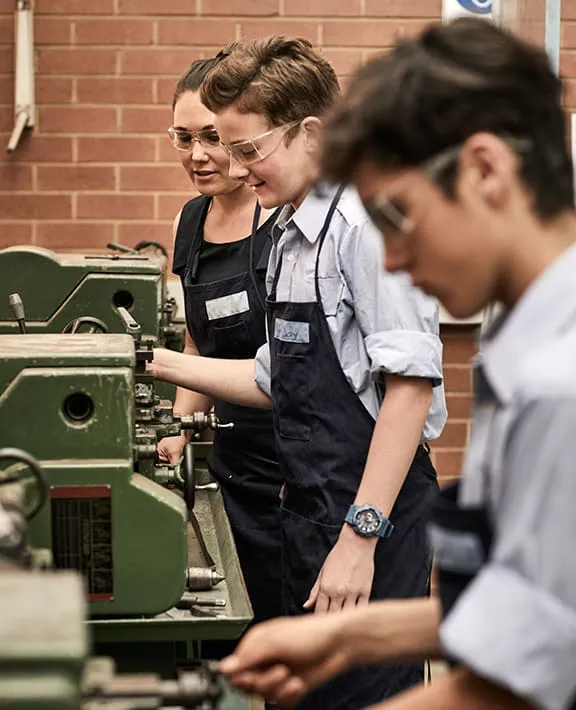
pixel 480 7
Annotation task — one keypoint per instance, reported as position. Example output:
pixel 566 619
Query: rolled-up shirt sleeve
pixel 262 369
pixel 515 624
pixel 398 321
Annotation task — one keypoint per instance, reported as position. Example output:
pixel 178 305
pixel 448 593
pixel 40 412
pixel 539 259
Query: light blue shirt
pixel 515 624
pixel 380 324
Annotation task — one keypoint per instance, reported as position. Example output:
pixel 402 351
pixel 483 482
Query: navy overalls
pixel 226 319
pixel 323 434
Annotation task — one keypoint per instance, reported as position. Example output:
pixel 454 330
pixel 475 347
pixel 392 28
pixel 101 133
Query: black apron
pixel 323 434
pixel 243 459
pixel 461 539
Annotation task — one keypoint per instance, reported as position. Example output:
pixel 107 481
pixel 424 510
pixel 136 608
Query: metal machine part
pixel 45 663
pixel 57 289
pixel 126 534
pixel 85 324
pixel 111 516
pixel 16 475
pixel 44 660
pixel 189 600
pixel 14 546
pixel 198 690
pixel 17 306
pixel 202 579
pixel 155 419
pixel 13 532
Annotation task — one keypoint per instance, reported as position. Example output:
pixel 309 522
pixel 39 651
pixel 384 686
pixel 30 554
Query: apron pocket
pixel 233 341
pixel 292 403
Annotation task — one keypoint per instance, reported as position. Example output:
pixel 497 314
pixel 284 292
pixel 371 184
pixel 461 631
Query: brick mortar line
pixel 243 18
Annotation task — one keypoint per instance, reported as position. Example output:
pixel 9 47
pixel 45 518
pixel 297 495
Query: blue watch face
pixel 368 522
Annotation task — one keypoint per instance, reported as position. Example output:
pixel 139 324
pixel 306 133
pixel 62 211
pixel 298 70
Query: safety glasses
pixel 184 140
pixel 388 212
pixel 253 149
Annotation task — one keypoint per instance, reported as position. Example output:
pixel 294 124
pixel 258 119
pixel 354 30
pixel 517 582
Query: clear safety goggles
pixel 184 140
pixel 253 149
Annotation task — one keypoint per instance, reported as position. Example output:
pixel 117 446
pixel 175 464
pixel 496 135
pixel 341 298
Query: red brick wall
pixel 459 348
pixel 98 166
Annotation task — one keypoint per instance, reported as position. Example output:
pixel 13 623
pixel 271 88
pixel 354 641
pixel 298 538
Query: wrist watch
pixel 368 521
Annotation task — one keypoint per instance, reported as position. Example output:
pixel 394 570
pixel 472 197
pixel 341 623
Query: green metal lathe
pixel 44 661
pixel 152 543
pixel 77 292
pixel 48 292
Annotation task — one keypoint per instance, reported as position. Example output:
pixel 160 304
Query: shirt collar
pixel 309 218
pixel 546 310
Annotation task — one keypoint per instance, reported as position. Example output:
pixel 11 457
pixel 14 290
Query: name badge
pixel 230 305
pixel 291 331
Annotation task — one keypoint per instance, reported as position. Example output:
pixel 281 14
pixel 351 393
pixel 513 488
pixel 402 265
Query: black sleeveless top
pixel 224 294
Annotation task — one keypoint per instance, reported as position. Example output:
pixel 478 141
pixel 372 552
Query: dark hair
pixel 283 78
pixel 436 90
pixel 193 79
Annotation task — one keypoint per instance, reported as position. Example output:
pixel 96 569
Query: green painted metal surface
pixel 43 641
pixel 56 288
pixel 45 662
pixel 127 532
pixel 178 624
pixel 69 401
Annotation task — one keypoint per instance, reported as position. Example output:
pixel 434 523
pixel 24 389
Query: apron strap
pixel 322 237
pixel 196 228
pixel 254 230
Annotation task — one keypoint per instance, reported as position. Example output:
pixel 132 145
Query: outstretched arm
pixel 227 380
pixel 284 659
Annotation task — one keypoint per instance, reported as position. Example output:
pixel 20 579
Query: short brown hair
pixel 436 90
pixel 282 78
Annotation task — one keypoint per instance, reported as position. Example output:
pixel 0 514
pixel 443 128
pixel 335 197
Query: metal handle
pixel 200 421
pixel 189 477
pixel 146 244
pixel 121 248
pixel 130 324
pixel 17 306
pixel 213 487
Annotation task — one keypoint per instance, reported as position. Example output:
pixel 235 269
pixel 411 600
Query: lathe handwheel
pixel 94 325
pixel 13 454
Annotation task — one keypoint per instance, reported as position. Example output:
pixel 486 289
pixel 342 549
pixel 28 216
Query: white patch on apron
pixel 229 305
pixel 291 331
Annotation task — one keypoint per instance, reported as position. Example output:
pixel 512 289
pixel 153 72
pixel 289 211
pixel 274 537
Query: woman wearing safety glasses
pixel 221 249
pixel 352 367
